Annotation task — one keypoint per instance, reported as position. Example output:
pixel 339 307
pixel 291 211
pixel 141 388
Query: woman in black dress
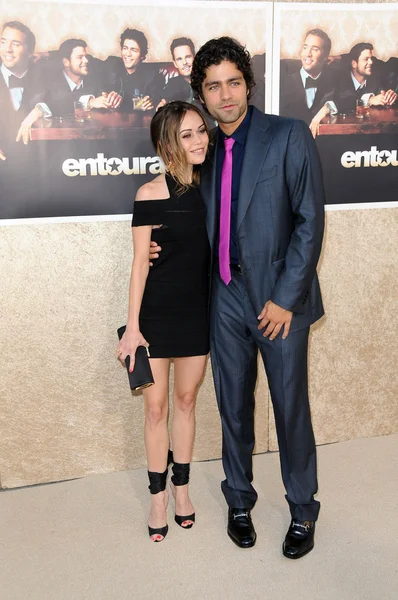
pixel 168 304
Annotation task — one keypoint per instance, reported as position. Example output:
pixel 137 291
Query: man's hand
pixel 26 125
pixel 273 317
pixel 389 97
pixel 377 100
pixel 114 99
pixel 323 112
pixel 161 103
pixel 146 103
pixel 2 155
pixel 99 102
pixel 154 250
pixel 383 99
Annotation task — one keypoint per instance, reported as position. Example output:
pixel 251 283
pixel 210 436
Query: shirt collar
pixel 240 134
pixel 356 83
pixel 6 73
pixel 73 86
pixel 304 75
pixel 138 68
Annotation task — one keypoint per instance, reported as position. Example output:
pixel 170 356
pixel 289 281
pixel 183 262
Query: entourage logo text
pixel 369 158
pixel 136 165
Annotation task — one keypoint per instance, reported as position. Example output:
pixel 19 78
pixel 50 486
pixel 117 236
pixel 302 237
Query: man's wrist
pixel 331 107
pixel 86 100
pixel 367 98
pixel 43 109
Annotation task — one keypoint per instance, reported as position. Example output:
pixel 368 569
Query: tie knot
pixel 310 83
pixel 228 143
pixel 15 82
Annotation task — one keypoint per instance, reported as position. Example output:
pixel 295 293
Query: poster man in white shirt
pixel 359 83
pixel 19 82
pixel 76 83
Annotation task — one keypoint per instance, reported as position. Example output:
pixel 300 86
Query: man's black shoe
pixel 240 527
pixel 299 539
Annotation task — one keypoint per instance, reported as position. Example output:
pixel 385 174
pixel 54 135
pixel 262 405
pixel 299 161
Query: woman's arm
pixel 132 337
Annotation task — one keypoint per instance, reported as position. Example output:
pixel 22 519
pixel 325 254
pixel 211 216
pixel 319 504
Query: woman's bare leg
pixel 156 434
pixel 188 374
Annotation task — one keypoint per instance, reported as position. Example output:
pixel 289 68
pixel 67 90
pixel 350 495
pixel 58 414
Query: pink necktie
pixel 225 212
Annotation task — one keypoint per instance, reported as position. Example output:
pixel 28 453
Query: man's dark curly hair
pixel 137 36
pixel 215 52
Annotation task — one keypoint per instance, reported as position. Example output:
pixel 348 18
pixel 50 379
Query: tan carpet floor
pixel 87 540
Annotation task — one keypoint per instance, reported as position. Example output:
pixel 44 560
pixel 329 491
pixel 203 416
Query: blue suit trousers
pixel 234 343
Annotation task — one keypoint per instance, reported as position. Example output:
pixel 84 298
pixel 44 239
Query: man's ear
pixel 65 62
pixel 354 64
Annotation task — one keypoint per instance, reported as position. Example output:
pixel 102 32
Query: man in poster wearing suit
pixel 20 85
pixel 305 91
pixel 263 192
pixel 135 78
pixel 73 80
pixel 21 89
pixel 359 82
pixel 179 87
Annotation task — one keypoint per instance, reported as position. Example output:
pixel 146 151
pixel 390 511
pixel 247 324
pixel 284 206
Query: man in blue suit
pixel 270 295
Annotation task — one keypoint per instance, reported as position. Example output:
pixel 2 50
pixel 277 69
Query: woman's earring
pixel 170 168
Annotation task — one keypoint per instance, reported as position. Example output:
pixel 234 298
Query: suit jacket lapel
pixel 299 88
pixel 324 90
pixel 5 95
pixel 208 191
pixel 256 149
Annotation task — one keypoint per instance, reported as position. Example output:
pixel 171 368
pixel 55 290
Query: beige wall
pixel 65 407
pixel 66 410
pixel 353 349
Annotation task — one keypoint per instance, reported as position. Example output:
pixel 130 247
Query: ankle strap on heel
pixel 157 481
pixel 180 473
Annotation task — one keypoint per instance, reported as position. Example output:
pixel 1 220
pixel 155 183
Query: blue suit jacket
pixel 280 215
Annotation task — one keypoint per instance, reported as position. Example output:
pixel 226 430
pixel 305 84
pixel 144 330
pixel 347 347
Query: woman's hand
pixel 154 249
pixel 128 345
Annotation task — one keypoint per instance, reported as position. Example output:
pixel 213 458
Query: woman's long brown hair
pixel 165 135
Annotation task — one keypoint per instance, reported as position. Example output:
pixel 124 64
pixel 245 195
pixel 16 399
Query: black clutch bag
pixel 141 377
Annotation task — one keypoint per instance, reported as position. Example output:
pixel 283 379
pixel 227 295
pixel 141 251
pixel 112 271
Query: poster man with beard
pixel 73 81
pixel 360 82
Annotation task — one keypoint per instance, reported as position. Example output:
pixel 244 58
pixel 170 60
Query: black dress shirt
pixel 239 135
pixel 178 88
pixel 146 81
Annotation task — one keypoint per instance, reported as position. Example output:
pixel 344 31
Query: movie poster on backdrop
pixel 79 84
pixel 336 67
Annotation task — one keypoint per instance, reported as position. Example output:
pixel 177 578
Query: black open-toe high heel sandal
pixel 157 483
pixel 181 477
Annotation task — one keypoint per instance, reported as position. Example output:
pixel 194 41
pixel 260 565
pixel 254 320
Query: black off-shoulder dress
pixel 174 309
